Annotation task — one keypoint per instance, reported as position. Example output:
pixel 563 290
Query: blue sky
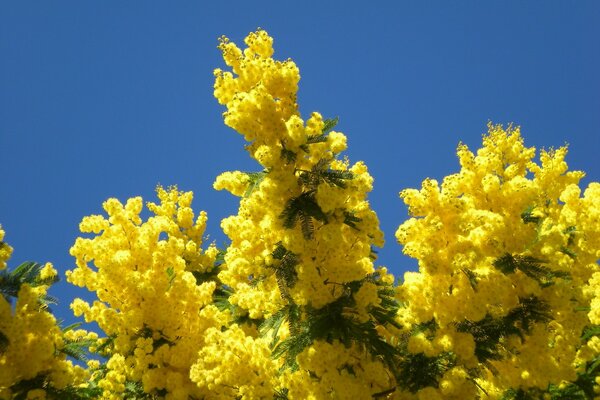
pixel 108 99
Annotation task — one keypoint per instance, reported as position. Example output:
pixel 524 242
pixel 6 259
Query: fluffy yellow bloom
pixel 31 345
pixel 151 298
pixel 5 250
pixel 304 231
pixel 503 240
pixel 233 364
pixel 296 308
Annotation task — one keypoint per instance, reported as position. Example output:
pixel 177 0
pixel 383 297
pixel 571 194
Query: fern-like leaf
pixel 589 332
pixel 489 331
pixel 26 273
pixel 4 342
pixel 531 267
pixel 288 155
pixel 351 220
pixel 254 180
pixel 302 207
pixel 528 217
pixel 285 270
pixel 417 371
pixel 329 124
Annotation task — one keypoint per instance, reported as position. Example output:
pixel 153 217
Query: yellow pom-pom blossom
pixel 505 248
pixel 235 365
pixel 31 346
pixel 5 250
pixel 302 240
pixel 149 299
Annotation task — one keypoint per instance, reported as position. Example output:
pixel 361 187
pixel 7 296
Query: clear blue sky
pixel 108 99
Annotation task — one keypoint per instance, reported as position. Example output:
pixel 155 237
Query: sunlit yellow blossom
pixel 31 345
pixel 149 299
pixel 280 254
pixel 502 235
pixel 5 250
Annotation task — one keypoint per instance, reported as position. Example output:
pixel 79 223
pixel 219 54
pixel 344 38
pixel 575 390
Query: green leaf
pixel 171 276
pixel 288 155
pixel 281 394
pixel 589 332
pixel 220 258
pixel 221 301
pixel 320 173
pixel 71 327
pixel 472 277
pixel 77 349
pixel 285 270
pixel 528 217
pixel 568 252
pixel 206 276
pixel 106 345
pixel 254 180
pixel 329 124
pixel 351 220
pixel 288 313
pixel 530 266
pixel 304 208
pixel 489 331
pixel 417 371
pixel 26 273
pixel 336 322
pixel 4 342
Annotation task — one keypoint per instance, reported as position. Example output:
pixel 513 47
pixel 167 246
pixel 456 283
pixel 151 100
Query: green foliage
pixel 528 217
pixel 147 332
pixel 337 321
pixel 290 312
pixel 254 180
pixel 281 394
pixel 489 331
pixel 329 124
pixel 221 301
pixel 76 349
pixel 589 332
pixel 171 275
pixel 472 277
pixel 351 220
pixel 530 266
pixel 304 208
pixel 522 394
pixel 319 173
pixel 3 342
pixel 288 155
pixel 285 270
pixel 26 273
pixel 417 371
pixel 211 274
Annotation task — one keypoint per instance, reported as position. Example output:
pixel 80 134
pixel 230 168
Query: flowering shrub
pixel 504 304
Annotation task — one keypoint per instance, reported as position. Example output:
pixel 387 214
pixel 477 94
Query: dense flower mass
pixel 505 303
pixel 33 348
pixel 506 244
pixel 154 303
pixel 302 242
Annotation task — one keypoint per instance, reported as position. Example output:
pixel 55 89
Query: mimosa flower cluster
pixel 32 345
pixel 5 250
pixel 504 239
pixel 152 302
pixel 504 305
pixel 304 231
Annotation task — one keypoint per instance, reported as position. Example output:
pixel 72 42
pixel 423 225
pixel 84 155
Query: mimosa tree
pixel 504 304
